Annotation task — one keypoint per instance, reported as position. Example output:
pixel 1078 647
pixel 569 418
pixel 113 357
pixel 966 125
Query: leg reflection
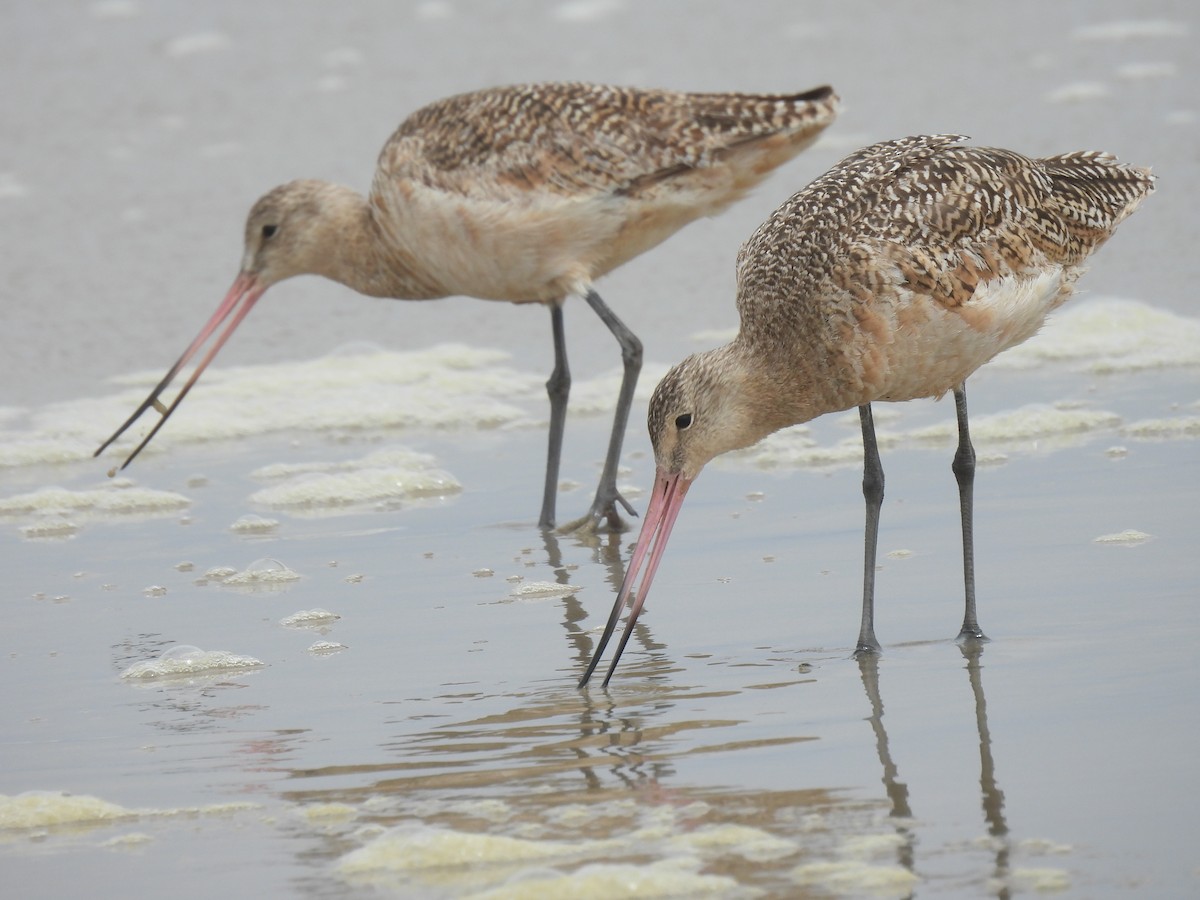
pixel 993 797
pixel 897 790
pixel 606 550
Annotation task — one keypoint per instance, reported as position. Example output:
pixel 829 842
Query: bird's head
pixel 284 231
pixel 700 410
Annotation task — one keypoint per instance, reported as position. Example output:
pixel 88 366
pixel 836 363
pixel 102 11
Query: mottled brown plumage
pixel 893 276
pixel 524 194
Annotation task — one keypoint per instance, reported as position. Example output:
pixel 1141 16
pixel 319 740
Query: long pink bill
pixel 239 301
pixel 665 502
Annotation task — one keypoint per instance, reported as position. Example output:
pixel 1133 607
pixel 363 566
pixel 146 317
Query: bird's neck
pixel 775 393
pixel 357 253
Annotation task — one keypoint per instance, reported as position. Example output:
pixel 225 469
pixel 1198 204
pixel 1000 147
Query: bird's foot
pixel 867 649
pixel 971 634
pixel 602 517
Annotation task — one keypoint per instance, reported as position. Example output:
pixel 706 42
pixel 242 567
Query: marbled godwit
pixel 525 194
pixel 893 276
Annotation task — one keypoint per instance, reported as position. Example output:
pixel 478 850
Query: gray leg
pixel 873 492
pixel 964 472
pixel 604 506
pixel 559 388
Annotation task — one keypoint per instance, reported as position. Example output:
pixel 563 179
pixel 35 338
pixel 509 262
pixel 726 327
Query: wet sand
pixel 426 739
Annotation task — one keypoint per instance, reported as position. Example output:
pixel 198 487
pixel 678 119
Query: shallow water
pixel 425 738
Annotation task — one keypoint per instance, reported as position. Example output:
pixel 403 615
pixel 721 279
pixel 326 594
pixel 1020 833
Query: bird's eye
pixel 268 231
pixel 684 421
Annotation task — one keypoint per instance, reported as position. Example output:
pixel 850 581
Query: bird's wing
pixel 581 139
pixel 937 218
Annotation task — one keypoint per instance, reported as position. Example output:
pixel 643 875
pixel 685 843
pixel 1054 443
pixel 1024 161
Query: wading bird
pixel 893 276
pixel 525 194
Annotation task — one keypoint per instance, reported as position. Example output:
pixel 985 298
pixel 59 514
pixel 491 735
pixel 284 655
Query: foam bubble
pixel 310 617
pixel 326 647
pixel 130 841
pixel 1125 29
pixel 543 590
pixel 385 476
pixel 262 572
pixel 184 659
pixel 1129 537
pixel 252 524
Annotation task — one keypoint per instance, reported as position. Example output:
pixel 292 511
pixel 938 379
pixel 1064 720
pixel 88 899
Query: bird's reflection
pixel 992 798
pixel 897 790
pixel 605 550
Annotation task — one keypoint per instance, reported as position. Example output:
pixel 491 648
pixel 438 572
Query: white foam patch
pixel 1147 70
pixel 264 572
pixel 587 10
pixel 328 812
pixel 196 44
pixel 441 856
pixel 795 448
pixel 119 498
pixel 598 396
pixel 356 388
pixel 678 877
pixel 1040 880
pixel 491 866
pixel 730 839
pixel 542 590
pixel 382 477
pixel 44 809
pixel 252 524
pixel 184 659
pixel 38 810
pixel 130 841
pixel 1036 422
pixel 307 618
pixel 1078 92
pixel 1163 429
pixel 53 529
pixel 715 336
pixel 323 648
pixel 1127 29
pixel 1129 537
pixel 851 878
pixel 1109 335
pixel 432 10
